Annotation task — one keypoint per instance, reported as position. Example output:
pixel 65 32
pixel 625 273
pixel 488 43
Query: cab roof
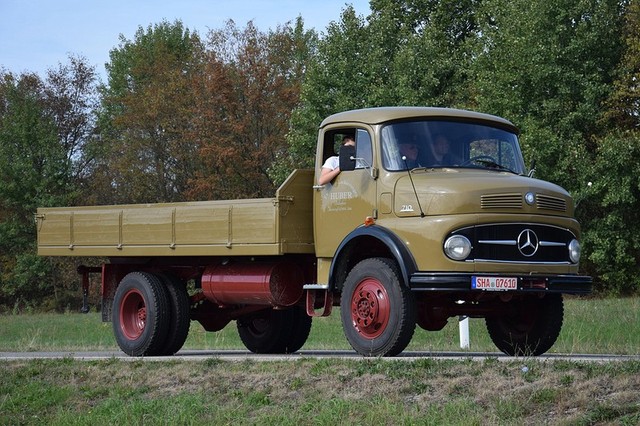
pixel 381 115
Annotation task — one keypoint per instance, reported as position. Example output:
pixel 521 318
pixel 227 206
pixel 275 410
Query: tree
pixel 34 172
pixel 428 43
pixel 610 215
pixel 44 125
pixel 548 66
pixel 610 211
pixel 407 52
pixel 623 110
pixel 245 95
pixel 141 154
pixel 71 97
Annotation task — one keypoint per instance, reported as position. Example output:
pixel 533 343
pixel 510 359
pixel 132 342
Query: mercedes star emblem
pixel 528 243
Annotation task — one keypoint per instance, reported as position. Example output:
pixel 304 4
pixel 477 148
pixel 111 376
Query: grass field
pixel 309 391
pixel 590 326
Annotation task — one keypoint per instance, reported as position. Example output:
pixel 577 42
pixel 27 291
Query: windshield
pixel 430 143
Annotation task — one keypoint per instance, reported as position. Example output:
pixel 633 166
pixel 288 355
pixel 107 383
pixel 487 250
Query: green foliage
pixel 624 103
pixel 142 154
pixel 548 66
pixel 34 171
pixel 611 215
pixel 610 205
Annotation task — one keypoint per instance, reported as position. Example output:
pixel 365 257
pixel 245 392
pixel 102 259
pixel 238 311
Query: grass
pixel 309 391
pixel 317 392
pixel 591 326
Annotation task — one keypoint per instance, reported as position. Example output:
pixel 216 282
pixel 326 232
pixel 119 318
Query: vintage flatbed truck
pixel 433 216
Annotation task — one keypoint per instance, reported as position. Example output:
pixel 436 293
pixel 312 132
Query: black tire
pixel 300 329
pixel 530 328
pixel 378 312
pixel 141 315
pixel 274 331
pixel 180 319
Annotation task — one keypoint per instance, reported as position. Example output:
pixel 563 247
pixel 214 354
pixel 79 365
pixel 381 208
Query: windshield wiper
pixel 493 165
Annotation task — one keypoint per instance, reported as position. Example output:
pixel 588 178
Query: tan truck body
pixel 408 233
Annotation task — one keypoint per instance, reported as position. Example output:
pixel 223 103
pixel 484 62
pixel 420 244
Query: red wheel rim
pixel 133 314
pixel 370 308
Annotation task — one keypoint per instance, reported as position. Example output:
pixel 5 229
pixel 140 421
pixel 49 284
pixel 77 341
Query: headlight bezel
pixel 574 251
pixel 457 247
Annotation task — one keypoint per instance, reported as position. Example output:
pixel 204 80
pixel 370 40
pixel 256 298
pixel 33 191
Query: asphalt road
pixel 242 355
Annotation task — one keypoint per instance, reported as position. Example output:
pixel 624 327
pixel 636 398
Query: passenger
pixel 410 153
pixel 440 151
pixel 331 167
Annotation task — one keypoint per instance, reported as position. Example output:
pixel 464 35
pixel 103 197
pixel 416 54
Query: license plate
pixel 494 283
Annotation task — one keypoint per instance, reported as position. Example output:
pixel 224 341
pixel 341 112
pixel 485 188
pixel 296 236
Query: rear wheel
pixel 274 331
pixel 529 328
pixel 179 308
pixel 141 315
pixel 378 312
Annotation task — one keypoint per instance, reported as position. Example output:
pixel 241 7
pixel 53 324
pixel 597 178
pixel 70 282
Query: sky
pixel 36 35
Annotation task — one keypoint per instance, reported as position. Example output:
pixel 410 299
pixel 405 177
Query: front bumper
pixel 461 282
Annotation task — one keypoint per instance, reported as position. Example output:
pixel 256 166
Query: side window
pixel 363 149
pixel 333 141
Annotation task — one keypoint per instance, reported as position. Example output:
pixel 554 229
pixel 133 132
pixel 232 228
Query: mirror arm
pixel 373 172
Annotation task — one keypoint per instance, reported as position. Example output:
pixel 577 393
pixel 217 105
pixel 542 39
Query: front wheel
pixel 378 312
pixel 529 327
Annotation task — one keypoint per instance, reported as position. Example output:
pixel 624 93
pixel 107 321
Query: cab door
pixel 343 204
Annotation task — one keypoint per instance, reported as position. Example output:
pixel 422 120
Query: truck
pixel 433 216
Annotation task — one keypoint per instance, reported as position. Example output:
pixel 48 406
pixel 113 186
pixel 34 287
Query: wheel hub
pixel 133 315
pixel 370 309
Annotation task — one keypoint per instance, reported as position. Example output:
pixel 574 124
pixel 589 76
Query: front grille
pixel 518 243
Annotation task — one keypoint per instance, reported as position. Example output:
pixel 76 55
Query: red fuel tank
pixel 253 283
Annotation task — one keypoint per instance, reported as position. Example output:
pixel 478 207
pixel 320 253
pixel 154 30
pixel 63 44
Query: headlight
pixel 457 247
pixel 574 251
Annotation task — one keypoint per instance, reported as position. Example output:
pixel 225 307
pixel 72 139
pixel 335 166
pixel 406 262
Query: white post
pixel 463 323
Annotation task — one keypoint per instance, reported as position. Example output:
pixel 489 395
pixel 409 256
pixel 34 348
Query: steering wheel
pixel 479 159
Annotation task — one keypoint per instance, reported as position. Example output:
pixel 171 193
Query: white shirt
pixel 332 163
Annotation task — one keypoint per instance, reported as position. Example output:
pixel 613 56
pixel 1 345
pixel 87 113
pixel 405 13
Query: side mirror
pixel 347 158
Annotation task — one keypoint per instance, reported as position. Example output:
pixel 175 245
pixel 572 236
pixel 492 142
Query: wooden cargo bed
pixel 266 226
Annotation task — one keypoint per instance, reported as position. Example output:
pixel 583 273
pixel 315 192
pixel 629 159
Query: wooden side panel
pixel 208 228
pixel 265 226
pixel 86 232
pixel 202 226
pixel 56 230
pixel 254 224
pixel 295 198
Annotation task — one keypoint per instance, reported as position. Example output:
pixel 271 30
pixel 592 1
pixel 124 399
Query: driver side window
pixel 363 149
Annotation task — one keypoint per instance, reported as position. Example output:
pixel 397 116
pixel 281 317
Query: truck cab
pixel 440 199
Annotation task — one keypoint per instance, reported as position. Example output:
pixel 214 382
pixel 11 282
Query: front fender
pixel 366 242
